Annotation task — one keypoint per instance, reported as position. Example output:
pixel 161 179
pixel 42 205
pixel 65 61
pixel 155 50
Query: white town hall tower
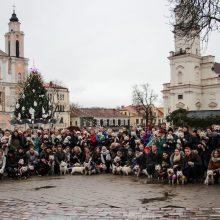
pixel 194 79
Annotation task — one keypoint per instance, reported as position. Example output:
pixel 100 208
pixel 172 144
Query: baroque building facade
pixel 13 70
pixel 194 79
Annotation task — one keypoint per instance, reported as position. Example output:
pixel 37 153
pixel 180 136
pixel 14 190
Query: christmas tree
pixel 33 103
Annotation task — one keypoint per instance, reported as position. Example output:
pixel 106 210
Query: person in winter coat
pixel 11 164
pixel 153 158
pixel 214 164
pixel 192 165
pixel 16 140
pixel 59 156
pixel 2 163
pixel 106 158
pixel 176 160
pixel 76 156
pixel 32 157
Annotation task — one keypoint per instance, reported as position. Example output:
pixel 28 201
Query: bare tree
pixel 144 98
pixel 191 18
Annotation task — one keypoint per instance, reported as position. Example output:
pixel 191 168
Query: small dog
pixel 126 170
pixel 63 168
pixel 180 177
pixel 137 171
pixel 209 177
pixel 158 172
pixel 116 169
pixel 78 169
pixel 51 163
pixel 171 176
pixel 89 168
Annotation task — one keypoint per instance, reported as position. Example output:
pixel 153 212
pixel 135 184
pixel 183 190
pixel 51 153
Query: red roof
pixel 54 85
pixel 97 112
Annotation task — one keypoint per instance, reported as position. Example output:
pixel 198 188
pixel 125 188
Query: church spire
pixel 14 16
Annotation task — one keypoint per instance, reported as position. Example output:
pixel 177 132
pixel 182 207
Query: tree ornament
pixel 35 103
pixel 17 106
pixel 23 96
pixel 43 111
pixel 33 90
pixel 23 108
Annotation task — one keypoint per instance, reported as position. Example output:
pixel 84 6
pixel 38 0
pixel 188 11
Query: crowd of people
pixel 152 151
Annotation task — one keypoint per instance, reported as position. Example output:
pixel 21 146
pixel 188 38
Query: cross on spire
pixel 14 8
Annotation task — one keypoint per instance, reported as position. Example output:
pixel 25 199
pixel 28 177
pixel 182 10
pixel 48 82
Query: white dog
pixel 137 171
pixel 78 169
pixel 51 163
pixel 126 170
pixel 63 168
pixel 116 169
pixel 209 177
pixel 158 172
pixel 171 176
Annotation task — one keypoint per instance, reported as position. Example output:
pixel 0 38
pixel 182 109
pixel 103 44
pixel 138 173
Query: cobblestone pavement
pixel 106 197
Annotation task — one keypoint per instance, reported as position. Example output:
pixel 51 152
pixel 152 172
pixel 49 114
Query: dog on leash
pixel 180 178
pixel 209 177
pixel 78 169
pixel 159 174
pixel 63 168
pixel 89 168
pixel 126 170
pixel 171 176
pixel 51 164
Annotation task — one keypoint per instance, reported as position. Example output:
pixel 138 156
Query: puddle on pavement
pixel 166 196
pixel 44 187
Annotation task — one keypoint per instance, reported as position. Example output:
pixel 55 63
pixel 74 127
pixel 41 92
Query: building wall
pixel 60 98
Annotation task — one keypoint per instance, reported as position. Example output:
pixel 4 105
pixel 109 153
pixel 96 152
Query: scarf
pixel 215 160
pixel 176 158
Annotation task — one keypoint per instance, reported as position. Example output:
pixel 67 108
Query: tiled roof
pixel 216 68
pixel 53 85
pixel 97 112
pixel 132 109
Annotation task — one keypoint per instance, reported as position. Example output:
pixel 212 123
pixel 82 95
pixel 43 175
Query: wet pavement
pixel 106 197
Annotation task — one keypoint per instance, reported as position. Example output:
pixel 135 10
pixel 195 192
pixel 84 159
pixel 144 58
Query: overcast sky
pixel 99 49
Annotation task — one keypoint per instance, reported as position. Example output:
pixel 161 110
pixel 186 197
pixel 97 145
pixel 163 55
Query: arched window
pixel 101 122
pixel 119 122
pixel 19 77
pixel 180 77
pixel 9 48
pixel 113 122
pixel 17 48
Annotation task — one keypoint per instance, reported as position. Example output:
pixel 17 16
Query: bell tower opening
pixel 17 48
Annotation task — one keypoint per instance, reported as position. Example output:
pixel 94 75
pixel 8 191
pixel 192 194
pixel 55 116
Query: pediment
pixel 180 67
pixel 213 104
pixel 180 105
pixel 198 104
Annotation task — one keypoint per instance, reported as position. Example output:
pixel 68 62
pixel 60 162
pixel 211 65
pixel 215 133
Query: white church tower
pixel 13 70
pixel 194 79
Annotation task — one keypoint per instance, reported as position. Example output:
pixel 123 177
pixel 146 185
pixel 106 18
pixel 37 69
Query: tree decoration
pixel 33 102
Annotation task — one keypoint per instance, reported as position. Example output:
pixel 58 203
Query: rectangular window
pixel 75 123
pixel 137 121
pixel 180 96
